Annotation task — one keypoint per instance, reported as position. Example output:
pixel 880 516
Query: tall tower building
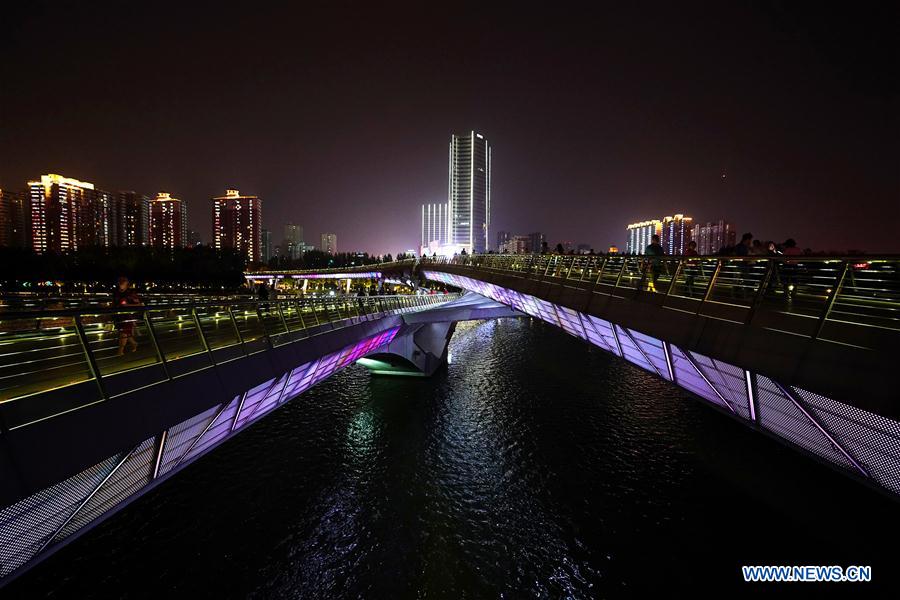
pixel 237 223
pixel 434 227
pixel 639 235
pixel 265 245
pixel 132 219
pixel 536 242
pixel 329 243
pixel 99 223
pixel 502 238
pixel 469 194
pixel 59 207
pixel 13 219
pixel 676 233
pixel 293 240
pixel 168 222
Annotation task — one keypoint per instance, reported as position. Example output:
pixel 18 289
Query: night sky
pixel 339 117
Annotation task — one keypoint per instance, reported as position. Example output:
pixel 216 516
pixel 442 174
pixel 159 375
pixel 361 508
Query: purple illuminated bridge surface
pixel 349 275
pixel 47 520
pixel 855 441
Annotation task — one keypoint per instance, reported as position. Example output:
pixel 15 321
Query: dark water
pixel 533 466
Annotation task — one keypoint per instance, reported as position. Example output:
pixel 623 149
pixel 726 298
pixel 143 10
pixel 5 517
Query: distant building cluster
pixel 676 232
pixel 463 223
pixel 508 243
pixel 62 214
pixel 292 245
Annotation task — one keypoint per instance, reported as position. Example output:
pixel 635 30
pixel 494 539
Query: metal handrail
pixel 839 291
pixel 233 301
pixel 385 266
pixel 36 358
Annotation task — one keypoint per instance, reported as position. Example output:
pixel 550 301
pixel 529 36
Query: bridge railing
pixel 850 300
pixel 45 350
pixel 385 266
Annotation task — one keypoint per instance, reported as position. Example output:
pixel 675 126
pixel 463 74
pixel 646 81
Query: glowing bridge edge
pixel 857 442
pixel 40 524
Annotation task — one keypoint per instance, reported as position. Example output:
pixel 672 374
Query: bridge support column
pixel 416 352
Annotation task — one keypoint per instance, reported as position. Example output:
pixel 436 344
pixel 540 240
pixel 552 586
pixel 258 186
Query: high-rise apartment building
pixel 61 212
pixel 639 235
pixel 434 228
pixel 712 237
pixel 293 233
pixel 132 219
pixel 329 243
pixel 469 193
pixel 502 238
pixel 237 223
pixel 292 244
pixel 13 219
pixel 514 244
pixel 99 226
pixel 676 233
pixel 536 242
pixel 168 222
pixel 265 245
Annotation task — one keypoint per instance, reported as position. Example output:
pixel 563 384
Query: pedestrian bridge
pixel 800 348
pixel 85 430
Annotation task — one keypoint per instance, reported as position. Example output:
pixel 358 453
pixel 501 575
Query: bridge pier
pixel 417 352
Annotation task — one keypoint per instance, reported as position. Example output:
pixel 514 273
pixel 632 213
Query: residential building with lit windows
pixel 237 223
pixel 292 245
pixel 13 219
pixel 132 219
pixel 639 235
pixel 712 237
pixel 469 193
pixel 329 243
pixel 514 244
pixel 168 222
pixel 62 210
pixel 676 233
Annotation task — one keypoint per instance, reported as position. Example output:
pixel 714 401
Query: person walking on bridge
pixel 125 295
pixel 654 250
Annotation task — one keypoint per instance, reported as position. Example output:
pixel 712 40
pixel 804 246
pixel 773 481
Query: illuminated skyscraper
pixel 712 237
pixel 168 222
pixel 329 243
pixel 237 223
pixel 61 208
pixel 469 194
pixel 132 219
pixel 639 235
pixel 293 241
pixel 434 228
pixel 13 219
pixel 676 233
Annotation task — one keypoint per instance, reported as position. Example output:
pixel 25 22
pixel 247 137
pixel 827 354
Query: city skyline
pixel 586 142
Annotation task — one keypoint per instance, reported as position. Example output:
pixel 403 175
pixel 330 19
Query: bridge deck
pixel 46 350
